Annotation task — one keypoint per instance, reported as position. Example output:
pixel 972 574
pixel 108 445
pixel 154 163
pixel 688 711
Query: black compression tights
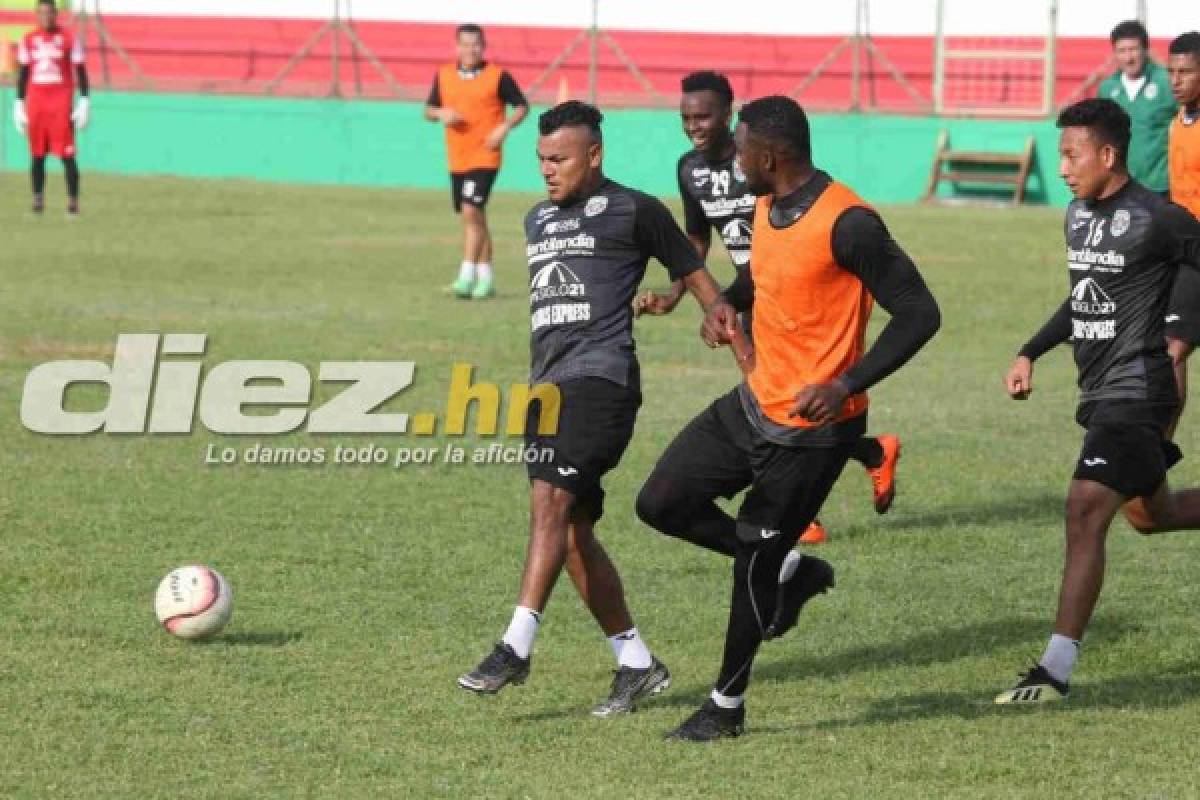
pixel 70 168
pixel 38 175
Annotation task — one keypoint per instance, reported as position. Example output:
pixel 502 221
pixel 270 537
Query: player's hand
pixel 82 113
pixel 450 118
pixel 720 324
pixel 496 138
pixel 1019 380
pixel 820 403
pixel 655 304
pixel 20 118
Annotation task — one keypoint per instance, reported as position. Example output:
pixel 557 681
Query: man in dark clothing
pixel 1125 245
pixel 587 248
pixel 820 257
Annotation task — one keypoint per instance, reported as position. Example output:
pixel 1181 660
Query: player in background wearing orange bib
pixel 1183 152
pixel 1183 171
pixel 820 258
pixel 469 98
pixel 51 65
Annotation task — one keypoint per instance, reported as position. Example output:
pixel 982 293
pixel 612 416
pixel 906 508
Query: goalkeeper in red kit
pixel 51 65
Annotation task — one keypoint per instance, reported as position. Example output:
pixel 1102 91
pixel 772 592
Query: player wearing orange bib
pixel 469 98
pixel 715 197
pixel 51 65
pixel 820 258
pixel 1183 168
pixel 1183 152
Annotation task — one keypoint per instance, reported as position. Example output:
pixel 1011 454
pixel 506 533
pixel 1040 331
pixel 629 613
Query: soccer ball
pixel 193 602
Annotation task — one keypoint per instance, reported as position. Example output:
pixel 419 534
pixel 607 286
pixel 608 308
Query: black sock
pixel 38 175
pixel 71 168
pixel 670 508
pixel 867 451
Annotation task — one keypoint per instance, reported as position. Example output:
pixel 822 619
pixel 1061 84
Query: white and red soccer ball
pixel 193 602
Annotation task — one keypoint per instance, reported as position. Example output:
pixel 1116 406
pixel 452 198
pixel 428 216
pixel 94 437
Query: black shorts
pixel 595 424
pixel 720 452
pixel 1183 310
pixel 473 187
pixel 1126 449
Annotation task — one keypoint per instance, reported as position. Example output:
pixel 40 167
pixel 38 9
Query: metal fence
pixel 945 72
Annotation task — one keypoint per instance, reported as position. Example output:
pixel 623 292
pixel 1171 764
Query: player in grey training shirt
pixel 1125 245
pixel 587 247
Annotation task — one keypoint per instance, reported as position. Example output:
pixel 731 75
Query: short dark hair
pixel 781 121
pixel 1186 44
pixel 572 113
pixel 1130 29
pixel 469 27
pixel 50 3
pixel 708 81
pixel 1106 121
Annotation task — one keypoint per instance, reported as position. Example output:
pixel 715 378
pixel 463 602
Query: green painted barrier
pixel 374 143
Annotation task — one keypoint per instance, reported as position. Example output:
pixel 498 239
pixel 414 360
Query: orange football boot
pixel 883 477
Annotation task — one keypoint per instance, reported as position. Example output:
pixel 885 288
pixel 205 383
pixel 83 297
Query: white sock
pixel 522 630
pixel 631 650
pixel 1059 658
pixel 724 701
pixel 466 271
pixel 484 271
pixel 790 562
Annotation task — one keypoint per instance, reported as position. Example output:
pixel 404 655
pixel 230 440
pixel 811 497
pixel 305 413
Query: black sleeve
pixel 81 79
pixel 22 81
pixel 657 234
pixel 694 221
pixel 1056 331
pixel 435 95
pixel 509 92
pixel 740 293
pixel 1179 233
pixel 863 246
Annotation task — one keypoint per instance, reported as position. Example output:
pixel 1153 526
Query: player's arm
pixel 1179 232
pixel 659 236
pixel 656 231
pixel 510 95
pixel 83 106
pixel 1019 380
pixel 740 293
pixel 863 247
pixel 20 117
pixel 435 111
pixel 695 223
pixel 699 234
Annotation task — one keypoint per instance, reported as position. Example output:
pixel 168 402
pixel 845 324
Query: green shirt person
pixel 1141 87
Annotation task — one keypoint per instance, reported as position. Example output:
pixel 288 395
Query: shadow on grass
pixel 1140 691
pixel 254 639
pixel 1004 509
pixel 928 647
pixel 923 649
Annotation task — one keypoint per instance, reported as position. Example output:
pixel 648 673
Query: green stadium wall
pixel 371 143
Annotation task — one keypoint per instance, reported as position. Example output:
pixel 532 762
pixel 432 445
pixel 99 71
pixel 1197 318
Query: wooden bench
pixel 979 167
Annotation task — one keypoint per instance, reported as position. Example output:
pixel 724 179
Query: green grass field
pixel 362 592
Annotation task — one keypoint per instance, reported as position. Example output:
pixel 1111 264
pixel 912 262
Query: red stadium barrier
pixel 244 55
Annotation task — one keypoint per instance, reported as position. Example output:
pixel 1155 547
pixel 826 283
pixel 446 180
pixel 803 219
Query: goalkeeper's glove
pixel 20 118
pixel 82 113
